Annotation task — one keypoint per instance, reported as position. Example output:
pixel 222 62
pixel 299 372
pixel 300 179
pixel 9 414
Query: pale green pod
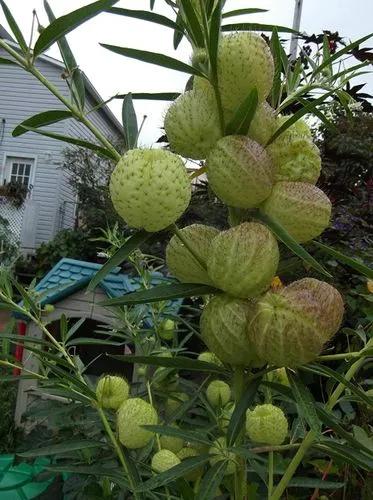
pixel 112 391
pixel 301 208
pixel 150 188
pixel 132 415
pixel 291 326
pixel 218 393
pixel 164 460
pixel 172 443
pixel 192 123
pixel 223 328
pixel 264 124
pixel 209 357
pixel 243 260
pixel 180 261
pixel 240 172
pixel 266 424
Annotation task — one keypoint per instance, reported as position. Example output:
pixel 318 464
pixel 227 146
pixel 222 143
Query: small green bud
pixel 218 393
pixel 266 424
pixel 112 391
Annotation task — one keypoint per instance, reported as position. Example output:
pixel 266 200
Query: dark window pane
pixel 21 168
pixel 14 168
pixel 27 169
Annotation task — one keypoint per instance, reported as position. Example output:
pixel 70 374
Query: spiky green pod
pixel 240 172
pixel 218 393
pixel 112 391
pixel 172 443
pixel 301 208
pixel 223 328
pixel 266 424
pixel 180 261
pixel 220 452
pixel 192 123
pixel 264 124
pixel 291 326
pixel 150 188
pixel 164 460
pixel 132 415
pixel 243 260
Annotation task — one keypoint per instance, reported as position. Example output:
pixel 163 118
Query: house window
pixel 19 170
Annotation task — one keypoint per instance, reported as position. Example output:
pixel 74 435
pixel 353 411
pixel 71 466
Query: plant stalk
pixel 270 473
pixel 240 473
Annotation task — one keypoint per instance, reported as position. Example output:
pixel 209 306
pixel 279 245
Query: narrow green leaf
pixel 214 36
pixel 276 53
pixel 92 470
pixel 64 24
pixel 329 373
pixel 131 130
pixel 308 108
pixel 146 16
pixel 309 482
pixel 189 436
pixel 77 79
pixel 344 259
pixel 72 140
pixel 14 27
pixel 211 481
pixel 240 12
pixel 157 96
pixel 326 55
pixel 256 27
pixel 290 242
pixel 152 2
pixel 179 362
pixel 180 470
pixel 89 341
pixel 120 256
pixel 243 117
pixel 3 60
pixel 42 119
pixel 65 447
pixel 340 53
pixel 178 35
pixel 346 454
pixel 192 24
pixel 153 58
pixel 305 402
pixel 160 293
pixel 237 420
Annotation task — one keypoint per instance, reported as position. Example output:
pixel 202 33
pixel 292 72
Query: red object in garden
pixel 21 326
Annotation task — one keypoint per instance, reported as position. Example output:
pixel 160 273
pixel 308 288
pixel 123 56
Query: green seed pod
pixel 223 328
pixel 244 63
pixel 263 125
pixel 150 188
pixel 192 123
pixel 219 449
pixel 291 326
pixel 266 424
pixel 209 357
pixel 172 443
pixel 174 402
pixel 181 263
pixel 164 460
pixel 243 260
pixel 166 329
pixel 112 391
pixel 190 453
pixel 240 172
pixel 302 209
pixel 218 393
pixel 132 414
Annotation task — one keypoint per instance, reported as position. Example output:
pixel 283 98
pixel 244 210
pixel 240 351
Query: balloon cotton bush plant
pixel 227 432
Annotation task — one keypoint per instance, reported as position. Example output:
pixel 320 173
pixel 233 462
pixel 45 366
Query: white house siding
pixel 22 96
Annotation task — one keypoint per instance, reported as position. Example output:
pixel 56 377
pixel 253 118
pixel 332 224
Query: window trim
pixel 12 154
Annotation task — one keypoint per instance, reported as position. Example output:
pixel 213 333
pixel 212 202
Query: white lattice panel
pixel 14 216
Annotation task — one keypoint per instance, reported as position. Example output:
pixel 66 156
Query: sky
pixel 111 73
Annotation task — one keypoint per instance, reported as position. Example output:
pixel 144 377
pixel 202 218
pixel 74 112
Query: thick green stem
pixel 270 473
pixel 336 357
pixel 117 449
pixel 240 473
pixel 312 435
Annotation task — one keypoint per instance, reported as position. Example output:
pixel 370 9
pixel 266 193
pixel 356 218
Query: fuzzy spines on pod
pixel 243 260
pixel 164 460
pixel 112 391
pixel 301 208
pixel 220 452
pixel 132 415
pixel 291 326
pixel 150 188
pixel 192 123
pixel 244 62
pixel 218 393
pixel 240 172
pixel 223 328
pixel 266 424
pixel 181 263
pixel 263 125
